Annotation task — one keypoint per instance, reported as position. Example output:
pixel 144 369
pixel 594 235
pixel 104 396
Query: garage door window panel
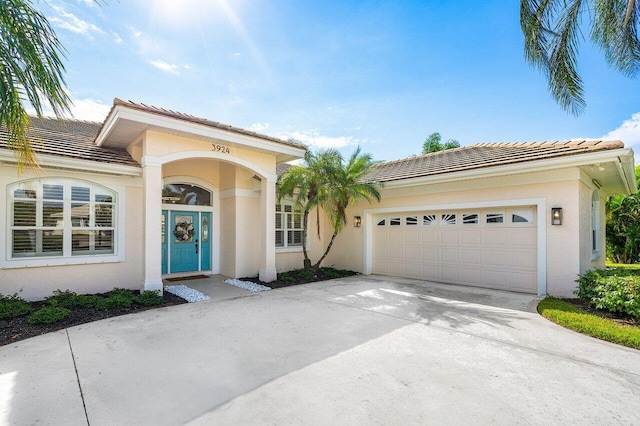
pixel 522 216
pixel 411 220
pixel 429 220
pixel 494 218
pixel 470 218
pixel 448 219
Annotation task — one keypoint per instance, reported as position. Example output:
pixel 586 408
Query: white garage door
pixel 485 248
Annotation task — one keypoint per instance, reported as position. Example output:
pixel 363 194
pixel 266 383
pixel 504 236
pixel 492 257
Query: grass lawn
pixel 569 316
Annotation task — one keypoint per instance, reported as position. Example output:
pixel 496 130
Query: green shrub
pixel 285 277
pixel 307 275
pixel 70 300
pixel 63 299
pixel 13 306
pixel 331 273
pixel 115 301
pixel 48 315
pixel 616 290
pixel 149 298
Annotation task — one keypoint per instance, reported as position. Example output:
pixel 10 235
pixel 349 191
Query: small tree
pixel 326 182
pixel 308 186
pixel 433 143
pixel 623 227
pixel 348 187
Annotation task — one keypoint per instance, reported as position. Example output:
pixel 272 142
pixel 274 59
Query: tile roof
pixel 70 138
pixel 203 121
pixel 484 155
pixel 281 168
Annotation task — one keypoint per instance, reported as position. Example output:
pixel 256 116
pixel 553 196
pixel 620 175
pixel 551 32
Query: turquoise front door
pixel 183 232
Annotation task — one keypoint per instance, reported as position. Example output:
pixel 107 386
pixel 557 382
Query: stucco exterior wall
pixel 159 144
pixel 247 235
pixel 560 188
pixel 207 170
pixel 85 276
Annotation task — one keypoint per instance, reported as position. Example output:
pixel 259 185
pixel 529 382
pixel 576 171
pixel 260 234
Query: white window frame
pixel 119 213
pixel 595 225
pixel 286 247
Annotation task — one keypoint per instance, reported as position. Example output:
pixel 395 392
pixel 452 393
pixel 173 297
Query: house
pixel 151 193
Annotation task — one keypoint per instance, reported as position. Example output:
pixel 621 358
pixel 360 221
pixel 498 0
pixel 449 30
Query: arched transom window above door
pixel 186 193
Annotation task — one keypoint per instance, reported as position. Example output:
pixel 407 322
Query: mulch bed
pixel 15 329
pixel 616 317
pixel 298 277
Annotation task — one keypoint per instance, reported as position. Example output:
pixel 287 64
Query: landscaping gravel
pixel 188 294
pixel 247 285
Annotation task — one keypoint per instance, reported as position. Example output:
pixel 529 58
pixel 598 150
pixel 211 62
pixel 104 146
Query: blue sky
pixel 382 75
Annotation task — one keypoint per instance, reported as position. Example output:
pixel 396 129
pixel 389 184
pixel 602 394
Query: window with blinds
pixel 288 226
pixel 61 217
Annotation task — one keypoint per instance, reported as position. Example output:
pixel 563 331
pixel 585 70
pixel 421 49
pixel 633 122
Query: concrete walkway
pixel 212 286
pixel 361 350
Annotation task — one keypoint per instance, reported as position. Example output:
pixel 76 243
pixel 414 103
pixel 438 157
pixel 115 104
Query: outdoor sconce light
pixel 556 215
pixel 357 221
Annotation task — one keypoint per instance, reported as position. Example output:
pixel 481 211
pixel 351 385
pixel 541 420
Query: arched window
pixel 61 218
pixel 185 193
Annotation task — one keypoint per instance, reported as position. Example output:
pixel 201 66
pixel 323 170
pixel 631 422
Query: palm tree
pixel 326 182
pixel 308 187
pixel 551 31
pixel 31 70
pixel 348 186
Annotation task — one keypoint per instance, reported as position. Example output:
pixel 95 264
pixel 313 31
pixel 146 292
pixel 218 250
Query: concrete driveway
pixel 361 350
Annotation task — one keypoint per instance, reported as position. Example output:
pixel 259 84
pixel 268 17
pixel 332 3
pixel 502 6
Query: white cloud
pixel 314 139
pixel 82 109
pixel 88 109
pixel 164 66
pixel 90 3
pixel 629 133
pixel 117 38
pixel 259 127
pixel 136 33
pixel 71 22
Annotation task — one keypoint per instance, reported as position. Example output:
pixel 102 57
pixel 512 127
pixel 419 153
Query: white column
pixel 152 215
pixel 267 228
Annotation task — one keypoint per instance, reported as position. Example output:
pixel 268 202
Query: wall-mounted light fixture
pixel 357 221
pixel 556 215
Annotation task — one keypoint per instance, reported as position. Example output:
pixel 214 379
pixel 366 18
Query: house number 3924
pixel 220 148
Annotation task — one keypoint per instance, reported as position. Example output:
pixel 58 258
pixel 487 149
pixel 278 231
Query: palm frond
pixel 551 31
pixel 31 70
pixel 615 31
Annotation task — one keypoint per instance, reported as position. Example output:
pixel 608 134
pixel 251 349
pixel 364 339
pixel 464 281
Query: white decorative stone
pixel 247 285
pixel 188 294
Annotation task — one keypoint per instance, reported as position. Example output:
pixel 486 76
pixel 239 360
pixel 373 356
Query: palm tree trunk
pixel 305 224
pixel 326 252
